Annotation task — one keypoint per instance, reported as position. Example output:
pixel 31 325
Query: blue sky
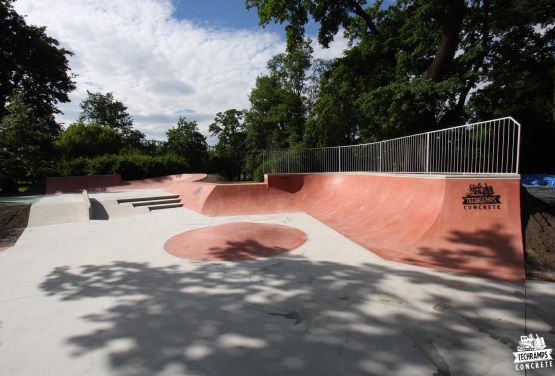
pixel 163 58
pixel 227 14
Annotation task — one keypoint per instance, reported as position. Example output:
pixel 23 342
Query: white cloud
pixel 158 66
pixel 336 47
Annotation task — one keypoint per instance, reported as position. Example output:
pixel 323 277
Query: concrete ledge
pixel 87 205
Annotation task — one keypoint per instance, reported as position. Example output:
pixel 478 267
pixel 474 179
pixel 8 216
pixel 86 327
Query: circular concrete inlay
pixel 235 241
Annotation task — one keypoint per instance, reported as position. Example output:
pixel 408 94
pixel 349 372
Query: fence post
pixel 428 152
pixel 339 150
pixel 288 162
pixel 381 155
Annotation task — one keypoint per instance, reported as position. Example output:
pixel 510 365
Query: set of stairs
pixel 155 202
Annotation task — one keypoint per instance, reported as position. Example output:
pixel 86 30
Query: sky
pixel 164 58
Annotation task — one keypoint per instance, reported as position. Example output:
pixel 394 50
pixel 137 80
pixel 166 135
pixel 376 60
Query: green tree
pixel 32 64
pixel 278 110
pixel 186 141
pixel 229 126
pixel 104 109
pixel 88 140
pixel 26 143
pixel 426 64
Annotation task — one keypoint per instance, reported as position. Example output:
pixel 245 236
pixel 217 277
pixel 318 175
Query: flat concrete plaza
pixel 103 297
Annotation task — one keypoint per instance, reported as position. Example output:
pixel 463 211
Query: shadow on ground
pixel 288 315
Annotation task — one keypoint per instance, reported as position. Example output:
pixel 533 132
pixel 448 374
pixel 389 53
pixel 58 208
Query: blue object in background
pixel 538 180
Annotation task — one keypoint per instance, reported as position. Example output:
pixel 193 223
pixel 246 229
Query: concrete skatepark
pixel 394 276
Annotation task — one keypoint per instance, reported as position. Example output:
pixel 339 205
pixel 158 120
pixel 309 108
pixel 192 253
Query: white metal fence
pixel 487 147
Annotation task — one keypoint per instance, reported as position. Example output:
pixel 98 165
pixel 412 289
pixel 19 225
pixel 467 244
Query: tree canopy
pixel 419 65
pixel 186 141
pixel 103 109
pixel 279 100
pixel 31 64
pixel 89 140
pixel 229 126
pixel 26 143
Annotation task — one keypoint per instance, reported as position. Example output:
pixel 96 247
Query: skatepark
pixel 306 273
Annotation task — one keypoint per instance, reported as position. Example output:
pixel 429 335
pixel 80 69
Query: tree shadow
pixel 249 249
pixel 474 253
pixel 284 316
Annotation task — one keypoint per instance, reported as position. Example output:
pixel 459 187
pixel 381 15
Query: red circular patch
pixel 235 241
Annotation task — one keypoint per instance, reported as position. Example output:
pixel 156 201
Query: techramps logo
pixel 532 353
pixel 481 197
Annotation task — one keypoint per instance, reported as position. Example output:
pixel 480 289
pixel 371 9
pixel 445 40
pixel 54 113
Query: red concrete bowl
pixel 235 241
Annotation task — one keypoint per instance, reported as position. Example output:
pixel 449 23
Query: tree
pixel 279 100
pixel 229 126
pixel 426 64
pixel 88 140
pixel 26 143
pixel 104 109
pixel 520 80
pixel 31 64
pixel 186 141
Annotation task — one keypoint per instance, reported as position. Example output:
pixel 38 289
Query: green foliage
pixel 421 65
pixel 186 141
pixel 88 140
pixel 31 63
pixel 230 150
pixel 26 143
pixel 130 166
pixel 104 109
pixel 331 14
pixel 279 101
pixel 521 79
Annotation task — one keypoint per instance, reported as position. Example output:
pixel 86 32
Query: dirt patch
pixel 13 220
pixel 538 229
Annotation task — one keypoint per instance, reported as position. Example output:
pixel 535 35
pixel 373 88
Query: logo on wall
pixel 481 197
pixel 532 353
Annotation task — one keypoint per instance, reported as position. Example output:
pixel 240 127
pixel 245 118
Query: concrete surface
pixel 102 297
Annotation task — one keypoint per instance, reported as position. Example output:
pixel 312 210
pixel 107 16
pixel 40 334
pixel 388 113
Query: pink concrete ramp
pixel 466 225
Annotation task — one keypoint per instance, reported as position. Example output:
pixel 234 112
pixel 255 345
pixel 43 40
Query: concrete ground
pixel 102 297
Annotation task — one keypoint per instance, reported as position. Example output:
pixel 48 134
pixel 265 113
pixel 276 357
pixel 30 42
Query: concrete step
pixel 159 202
pixel 152 198
pixel 159 207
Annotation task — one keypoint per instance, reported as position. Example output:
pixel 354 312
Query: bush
pixel 88 140
pixel 129 166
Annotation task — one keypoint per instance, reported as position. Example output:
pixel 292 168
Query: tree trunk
pixel 449 42
pixel 456 112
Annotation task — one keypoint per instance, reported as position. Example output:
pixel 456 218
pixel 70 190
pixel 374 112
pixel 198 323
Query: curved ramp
pixel 466 225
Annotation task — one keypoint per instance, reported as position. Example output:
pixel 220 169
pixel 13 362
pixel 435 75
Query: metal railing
pixel 487 147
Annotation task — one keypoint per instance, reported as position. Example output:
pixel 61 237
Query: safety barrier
pixel 487 147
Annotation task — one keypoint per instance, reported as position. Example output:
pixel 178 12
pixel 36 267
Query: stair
pixel 154 198
pixel 158 202
pixel 159 207
pixel 154 202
